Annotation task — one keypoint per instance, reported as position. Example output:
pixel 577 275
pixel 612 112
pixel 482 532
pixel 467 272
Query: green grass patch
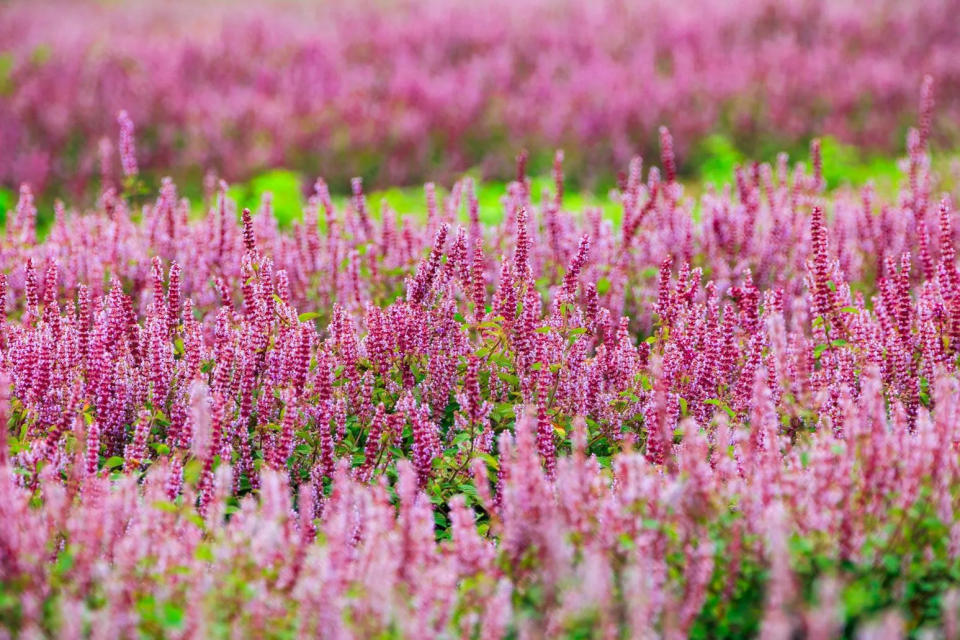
pixel 287 189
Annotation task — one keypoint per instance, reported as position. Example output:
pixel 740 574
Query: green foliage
pixel 287 190
pixel 284 186
pixel 6 70
pixel 715 159
pixel 845 164
pixel 8 200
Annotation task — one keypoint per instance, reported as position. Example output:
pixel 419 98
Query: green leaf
pixel 195 519
pixel 165 505
pixel 504 410
pixel 502 360
pixel 460 438
pixel 64 562
pixel 203 552
pixel 172 616
pixel 508 378
pixel 113 463
pixel 722 405
pixel 603 286
pixel 491 461
pixel 309 315
pixel 191 471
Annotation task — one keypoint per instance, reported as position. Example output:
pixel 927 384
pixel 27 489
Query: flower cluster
pixel 386 88
pixel 711 418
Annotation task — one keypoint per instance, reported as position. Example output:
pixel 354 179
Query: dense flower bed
pixel 401 91
pixel 714 418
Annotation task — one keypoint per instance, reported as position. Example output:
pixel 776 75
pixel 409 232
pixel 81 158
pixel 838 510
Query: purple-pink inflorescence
pixel 542 426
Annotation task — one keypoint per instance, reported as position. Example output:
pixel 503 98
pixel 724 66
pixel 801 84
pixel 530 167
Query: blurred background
pixel 400 92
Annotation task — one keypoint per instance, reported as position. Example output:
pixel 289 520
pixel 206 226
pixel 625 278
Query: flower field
pixel 399 91
pixel 675 409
